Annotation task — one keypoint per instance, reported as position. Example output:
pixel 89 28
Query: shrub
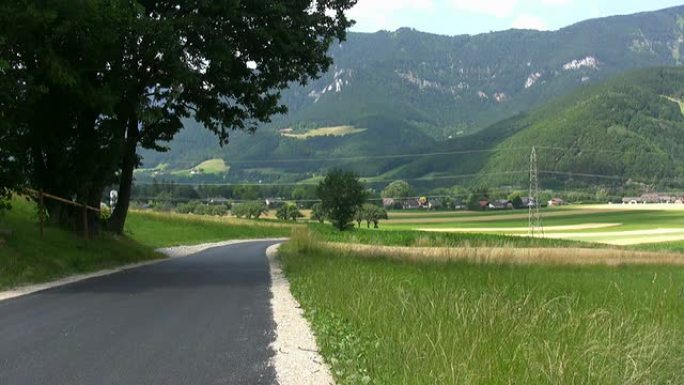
pixel 249 210
pixel 288 212
pixel 317 213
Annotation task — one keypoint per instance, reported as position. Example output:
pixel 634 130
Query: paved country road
pixel 205 319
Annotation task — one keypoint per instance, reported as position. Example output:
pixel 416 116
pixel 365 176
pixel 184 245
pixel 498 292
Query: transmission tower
pixel 536 227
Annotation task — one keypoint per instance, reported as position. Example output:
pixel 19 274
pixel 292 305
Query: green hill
pixel 628 128
pixel 417 93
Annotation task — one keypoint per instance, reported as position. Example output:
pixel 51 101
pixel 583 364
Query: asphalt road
pixel 204 319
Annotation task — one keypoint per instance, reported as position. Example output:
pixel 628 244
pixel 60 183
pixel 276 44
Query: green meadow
pixel 381 321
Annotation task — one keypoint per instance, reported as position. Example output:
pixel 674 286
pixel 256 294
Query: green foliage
pixel 341 193
pixel 249 210
pixel 397 189
pixel 288 212
pixel 200 208
pixel 317 213
pixel 624 128
pixel 105 212
pixel 473 202
pixel 372 214
pixel 516 200
pixel 104 95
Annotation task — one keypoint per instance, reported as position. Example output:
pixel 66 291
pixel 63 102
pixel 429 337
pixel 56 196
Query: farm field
pixel 608 224
pixel 391 321
pixel 322 131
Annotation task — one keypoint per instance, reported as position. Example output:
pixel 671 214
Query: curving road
pixel 205 319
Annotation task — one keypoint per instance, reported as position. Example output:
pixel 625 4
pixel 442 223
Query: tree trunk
pixel 129 162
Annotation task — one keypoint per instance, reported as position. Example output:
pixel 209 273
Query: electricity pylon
pixel 536 227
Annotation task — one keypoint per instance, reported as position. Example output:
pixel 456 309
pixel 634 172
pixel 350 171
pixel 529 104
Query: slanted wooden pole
pixel 85 221
pixel 41 214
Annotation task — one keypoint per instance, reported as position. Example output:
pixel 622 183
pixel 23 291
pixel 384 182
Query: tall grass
pixel 380 321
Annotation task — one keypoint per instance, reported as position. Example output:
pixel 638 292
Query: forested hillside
pixel 408 92
pixel 629 128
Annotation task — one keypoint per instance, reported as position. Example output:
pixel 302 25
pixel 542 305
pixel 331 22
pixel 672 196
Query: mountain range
pixel 446 110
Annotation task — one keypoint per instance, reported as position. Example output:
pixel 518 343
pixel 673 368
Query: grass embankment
pixel 380 321
pixel 26 258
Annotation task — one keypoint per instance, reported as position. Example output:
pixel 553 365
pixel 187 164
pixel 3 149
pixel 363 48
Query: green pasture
pixel 622 226
pixel 387 322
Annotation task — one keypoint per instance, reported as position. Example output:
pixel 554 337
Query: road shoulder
pixel 297 360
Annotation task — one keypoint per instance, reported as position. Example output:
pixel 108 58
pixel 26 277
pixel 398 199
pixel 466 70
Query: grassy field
pixel 380 321
pixel 414 238
pixel 619 225
pixel 213 166
pixel 323 131
pixel 165 229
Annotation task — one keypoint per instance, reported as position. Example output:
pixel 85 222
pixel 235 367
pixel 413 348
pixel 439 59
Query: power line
pixel 369 180
pixel 366 157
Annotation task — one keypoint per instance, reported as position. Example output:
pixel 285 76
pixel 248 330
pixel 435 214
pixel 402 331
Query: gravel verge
pixel 297 360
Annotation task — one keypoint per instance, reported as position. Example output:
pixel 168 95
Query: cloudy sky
pixel 454 17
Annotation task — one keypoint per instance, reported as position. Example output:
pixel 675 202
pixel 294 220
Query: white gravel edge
pixel 170 252
pixel 297 360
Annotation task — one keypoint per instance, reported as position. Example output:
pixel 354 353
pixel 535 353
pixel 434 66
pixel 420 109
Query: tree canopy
pixel 341 194
pixel 397 189
pixel 87 83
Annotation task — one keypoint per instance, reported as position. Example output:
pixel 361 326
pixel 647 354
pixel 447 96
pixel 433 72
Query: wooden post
pixel 41 214
pixel 85 221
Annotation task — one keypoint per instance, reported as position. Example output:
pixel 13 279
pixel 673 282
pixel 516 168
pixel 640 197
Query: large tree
pixel 57 97
pixel 342 194
pixel 397 189
pixel 222 63
pixel 100 79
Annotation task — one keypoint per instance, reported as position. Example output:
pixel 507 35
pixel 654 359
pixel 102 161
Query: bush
pixel 317 213
pixel 187 208
pixel 105 212
pixel 249 210
pixel 288 212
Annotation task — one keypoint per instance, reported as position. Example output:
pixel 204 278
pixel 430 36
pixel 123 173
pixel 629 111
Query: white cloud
pixel 529 22
pixel 496 8
pixel 378 14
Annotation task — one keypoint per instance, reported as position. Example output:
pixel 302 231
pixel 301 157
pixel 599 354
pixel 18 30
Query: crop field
pixel 469 298
pixel 608 224
pixel 384 320
pixel 323 131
